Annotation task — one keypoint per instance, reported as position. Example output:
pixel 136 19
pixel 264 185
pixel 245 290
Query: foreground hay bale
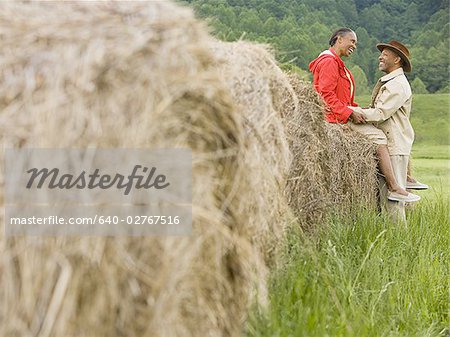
pixel 140 75
pixel 133 74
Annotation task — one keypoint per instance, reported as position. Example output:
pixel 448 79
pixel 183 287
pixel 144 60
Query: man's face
pixel 347 43
pixel 389 61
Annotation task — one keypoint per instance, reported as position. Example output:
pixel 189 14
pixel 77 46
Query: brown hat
pixel 400 50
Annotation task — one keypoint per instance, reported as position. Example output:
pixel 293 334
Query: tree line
pixel 300 29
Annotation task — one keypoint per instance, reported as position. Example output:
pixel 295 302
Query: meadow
pixel 367 276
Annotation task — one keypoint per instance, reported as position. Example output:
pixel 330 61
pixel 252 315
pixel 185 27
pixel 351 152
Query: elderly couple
pixel 385 122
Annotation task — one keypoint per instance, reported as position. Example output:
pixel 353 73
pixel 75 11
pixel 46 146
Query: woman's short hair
pixel 340 32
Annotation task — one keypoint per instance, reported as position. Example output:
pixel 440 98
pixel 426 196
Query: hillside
pixel 300 29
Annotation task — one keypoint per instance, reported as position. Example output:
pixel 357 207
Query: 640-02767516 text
pixel 98 219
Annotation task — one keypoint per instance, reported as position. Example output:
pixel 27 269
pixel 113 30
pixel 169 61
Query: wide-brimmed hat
pixel 400 50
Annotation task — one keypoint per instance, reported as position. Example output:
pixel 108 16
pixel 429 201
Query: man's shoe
pixel 393 196
pixel 416 186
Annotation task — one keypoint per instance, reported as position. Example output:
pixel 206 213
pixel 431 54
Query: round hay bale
pixel 263 94
pixel 307 185
pixel 352 170
pixel 131 75
pixel 334 169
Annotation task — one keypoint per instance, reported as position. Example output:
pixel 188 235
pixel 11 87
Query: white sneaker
pixel 416 186
pixel 393 196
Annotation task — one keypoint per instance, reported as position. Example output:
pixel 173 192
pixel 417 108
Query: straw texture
pixel 148 75
pixel 132 75
pixel 334 168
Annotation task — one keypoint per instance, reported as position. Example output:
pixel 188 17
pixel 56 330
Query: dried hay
pixel 263 94
pixel 308 182
pixel 333 169
pixel 139 75
pixel 134 75
pixel 352 170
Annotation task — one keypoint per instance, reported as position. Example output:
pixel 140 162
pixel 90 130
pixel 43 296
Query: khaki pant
pixel 375 134
pixel 395 209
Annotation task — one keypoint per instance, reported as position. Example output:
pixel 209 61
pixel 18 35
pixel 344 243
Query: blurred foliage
pixel 362 87
pixel 418 87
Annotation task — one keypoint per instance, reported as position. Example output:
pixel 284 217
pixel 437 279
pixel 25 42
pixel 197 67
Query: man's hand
pixel 358 118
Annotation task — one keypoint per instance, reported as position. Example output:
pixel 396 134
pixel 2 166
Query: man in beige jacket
pixel 389 111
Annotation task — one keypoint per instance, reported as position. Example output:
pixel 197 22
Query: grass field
pixel 369 277
pixel 431 164
pixel 364 278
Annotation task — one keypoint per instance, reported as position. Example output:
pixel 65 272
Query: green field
pixel 369 277
pixel 436 173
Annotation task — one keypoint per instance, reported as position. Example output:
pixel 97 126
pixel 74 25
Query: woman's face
pixel 346 44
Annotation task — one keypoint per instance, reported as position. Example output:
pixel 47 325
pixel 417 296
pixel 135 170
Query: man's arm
pixel 388 103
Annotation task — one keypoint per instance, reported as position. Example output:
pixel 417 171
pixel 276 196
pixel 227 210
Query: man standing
pixel 335 83
pixel 389 111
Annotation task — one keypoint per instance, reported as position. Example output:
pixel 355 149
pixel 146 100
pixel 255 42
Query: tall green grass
pixel 368 277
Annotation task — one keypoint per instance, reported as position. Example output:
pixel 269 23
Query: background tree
pixel 361 83
pixel 299 30
pixel 430 52
pixel 418 87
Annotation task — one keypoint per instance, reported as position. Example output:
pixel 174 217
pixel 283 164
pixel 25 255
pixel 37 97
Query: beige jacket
pixel 390 111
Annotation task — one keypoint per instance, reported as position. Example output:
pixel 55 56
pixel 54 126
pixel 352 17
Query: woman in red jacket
pixel 335 83
pixel 333 80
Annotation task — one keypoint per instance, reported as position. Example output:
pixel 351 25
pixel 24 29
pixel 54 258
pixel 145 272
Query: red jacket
pixel 331 81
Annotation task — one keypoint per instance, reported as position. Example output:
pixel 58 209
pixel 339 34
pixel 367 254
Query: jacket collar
pixel 326 52
pixel 338 59
pixel 329 53
pixel 391 75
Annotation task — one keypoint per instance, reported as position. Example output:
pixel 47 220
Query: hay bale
pixel 307 187
pixel 334 169
pixel 134 74
pixel 141 74
pixel 262 94
pixel 352 170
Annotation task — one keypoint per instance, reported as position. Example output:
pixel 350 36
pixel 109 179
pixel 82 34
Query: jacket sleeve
pixel 388 102
pixel 329 75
